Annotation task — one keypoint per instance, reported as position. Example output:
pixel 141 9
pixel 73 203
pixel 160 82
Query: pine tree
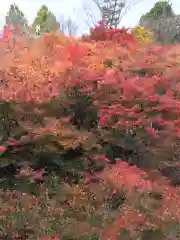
pixel 161 9
pixel 15 17
pixel 46 20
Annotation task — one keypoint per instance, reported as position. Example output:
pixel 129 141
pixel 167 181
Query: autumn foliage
pixel 71 107
pixel 102 33
pixel 142 35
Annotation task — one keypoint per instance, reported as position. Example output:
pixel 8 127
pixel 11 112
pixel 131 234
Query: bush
pixel 142 35
pixel 105 89
pixel 102 33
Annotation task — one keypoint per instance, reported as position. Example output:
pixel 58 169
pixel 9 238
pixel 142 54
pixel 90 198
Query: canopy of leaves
pixel 160 9
pixel 46 20
pixel 142 35
pixel 16 17
pixel 162 21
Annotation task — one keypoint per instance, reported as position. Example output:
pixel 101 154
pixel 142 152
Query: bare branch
pixel 112 11
pixel 68 26
pixel 91 19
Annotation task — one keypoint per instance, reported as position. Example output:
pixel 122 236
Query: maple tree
pixel 103 33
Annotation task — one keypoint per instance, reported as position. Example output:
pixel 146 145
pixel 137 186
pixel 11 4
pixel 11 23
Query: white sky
pixel 75 9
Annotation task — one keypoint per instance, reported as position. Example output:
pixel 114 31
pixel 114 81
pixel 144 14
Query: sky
pixel 82 11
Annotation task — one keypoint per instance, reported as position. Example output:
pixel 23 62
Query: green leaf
pixel 2 222
pixel 108 63
pixel 125 234
pixel 46 19
pixel 160 91
pixel 5 162
pixel 3 151
pixel 109 151
pixel 152 113
pixel 155 234
pixel 94 235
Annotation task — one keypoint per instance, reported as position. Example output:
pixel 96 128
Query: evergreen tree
pixel 163 22
pixel 16 18
pixel 46 20
pixel 161 9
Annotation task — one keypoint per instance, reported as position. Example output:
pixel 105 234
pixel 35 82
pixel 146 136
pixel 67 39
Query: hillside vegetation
pixel 89 137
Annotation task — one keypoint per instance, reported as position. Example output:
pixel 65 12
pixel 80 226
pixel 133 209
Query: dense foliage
pixel 142 35
pixel 160 9
pixel 163 22
pixel 70 108
pixel 47 20
pixel 102 33
pixel 16 17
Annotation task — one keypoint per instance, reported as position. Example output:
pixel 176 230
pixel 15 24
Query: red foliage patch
pixel 135 90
